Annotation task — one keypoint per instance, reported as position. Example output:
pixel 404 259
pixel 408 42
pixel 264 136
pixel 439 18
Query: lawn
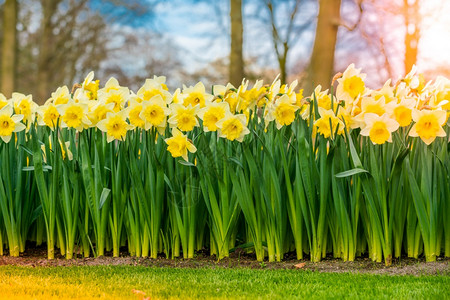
pixel 127 282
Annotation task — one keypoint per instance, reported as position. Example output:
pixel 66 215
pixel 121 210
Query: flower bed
pixel 262 169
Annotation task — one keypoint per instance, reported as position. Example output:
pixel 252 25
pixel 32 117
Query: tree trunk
pixel 282 61
pixel 9 48
pixel 321 67
pixel 412 35
pixel 236 68
pixel 45 50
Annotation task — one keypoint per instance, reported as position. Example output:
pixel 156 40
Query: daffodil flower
pixel 379 128
pixel 184 118
pixel 233 127
pixel 9 123
pixel 3 101
pixel 74 115
pixel 115 126
pixel 428 124
pixel 134 112
pixel 178 145
pixel 327 118
pixel 351 85
pixel 196 95
pixel 48 115
pixel 154 87
pixel 98 111
pixel 283 111
pixel 60 96
pixel 24 105
pixel 117 95
pixel 89 88
pixel 212 113
pixel 403 111
pixel 154 113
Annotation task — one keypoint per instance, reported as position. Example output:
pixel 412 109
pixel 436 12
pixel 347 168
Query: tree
pixel 46 49
pixel 9 48
pixel 286 31
pixel 71 40
pixel 321 66
pixel 236 66
pixel 412 32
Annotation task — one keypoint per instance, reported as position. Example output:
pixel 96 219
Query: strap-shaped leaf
pixel 351 172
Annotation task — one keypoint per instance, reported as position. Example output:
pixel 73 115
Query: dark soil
pixel 36 257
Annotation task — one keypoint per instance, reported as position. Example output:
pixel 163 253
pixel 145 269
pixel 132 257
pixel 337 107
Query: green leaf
pixel 236 161
pixel 27 150
pixel 186 163
pixel 104 197
pixel 351 172
pixel 31 168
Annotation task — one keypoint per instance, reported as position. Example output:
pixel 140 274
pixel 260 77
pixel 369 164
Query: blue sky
pixel 201 31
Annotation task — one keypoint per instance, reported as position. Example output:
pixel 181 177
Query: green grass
pixel 111 282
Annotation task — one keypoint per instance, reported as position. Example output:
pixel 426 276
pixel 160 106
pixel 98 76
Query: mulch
pixel 36 257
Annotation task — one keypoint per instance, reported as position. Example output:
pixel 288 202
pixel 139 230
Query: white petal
pixel 6 138
pixel 17 118
pixel 19 127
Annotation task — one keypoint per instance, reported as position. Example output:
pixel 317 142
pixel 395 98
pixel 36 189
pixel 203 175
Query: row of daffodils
pixel 262 168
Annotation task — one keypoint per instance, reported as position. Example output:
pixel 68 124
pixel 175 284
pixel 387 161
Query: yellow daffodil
pixel 344 115
pixel 60 96
pixel 117 95
pixel 177 97
pixel 371 105
pixel 283 111
pixel 154 113
pixel 327 118
pixel 3 101
pixel 89 88
pixel 161 80
pixel 24 105
pixel 184 118
pixel 74 115
pixel 440 94
pixel 403 111
pixel 219 91
pixel 255 96
pixel 291 89
pixel 154 87
pixel 112 84
pixel 81 96
pixel 212 113
pixel 351 84
pixel 232 99
pixel 196 95
pixel 299 98
pixel 48 115
pixel 379 128
pixel 233 127
pixel 322 97
pixel 243 101
pixel 9 123
pixel 428 124
pixel 178 145
pixel 387 91
pixel 115 126
pixel 134 113
pixel 415 82
pixel 274 89
pixel 98 111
